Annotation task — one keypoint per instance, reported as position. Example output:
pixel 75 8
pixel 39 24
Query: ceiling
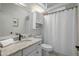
pixel 46 5
pixel 49 5
pixel 34 6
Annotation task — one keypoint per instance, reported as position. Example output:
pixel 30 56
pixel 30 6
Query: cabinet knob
pixel 39 44
pixel 37 52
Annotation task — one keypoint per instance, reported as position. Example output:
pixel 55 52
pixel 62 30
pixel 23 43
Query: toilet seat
pixel 46 47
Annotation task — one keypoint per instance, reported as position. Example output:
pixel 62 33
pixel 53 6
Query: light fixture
pixel 36 8
pixel 21 4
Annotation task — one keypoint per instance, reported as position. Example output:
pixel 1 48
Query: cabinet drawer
pixel 29 49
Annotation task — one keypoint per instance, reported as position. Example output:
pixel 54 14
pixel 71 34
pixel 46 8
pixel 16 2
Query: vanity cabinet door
pixel 36 52
pixel 30 49
pixel 19 53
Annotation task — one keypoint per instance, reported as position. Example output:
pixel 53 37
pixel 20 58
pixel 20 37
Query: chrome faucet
pixel 19 36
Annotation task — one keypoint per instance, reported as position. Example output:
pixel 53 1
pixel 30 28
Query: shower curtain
pixel 62 31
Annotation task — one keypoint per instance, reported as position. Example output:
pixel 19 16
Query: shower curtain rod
pixel 63 10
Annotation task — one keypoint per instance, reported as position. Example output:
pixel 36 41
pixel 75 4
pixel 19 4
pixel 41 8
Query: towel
pixel 6 42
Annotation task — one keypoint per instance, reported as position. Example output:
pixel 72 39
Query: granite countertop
pixel 18 46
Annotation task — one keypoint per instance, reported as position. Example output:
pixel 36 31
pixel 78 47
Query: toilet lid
pixel 46 46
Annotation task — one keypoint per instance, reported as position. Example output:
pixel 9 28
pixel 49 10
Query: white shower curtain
pixel 62 31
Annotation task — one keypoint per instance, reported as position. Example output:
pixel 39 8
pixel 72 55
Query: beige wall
pixel 7 13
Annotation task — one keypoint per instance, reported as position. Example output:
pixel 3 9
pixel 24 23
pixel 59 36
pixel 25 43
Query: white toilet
pixel 47 48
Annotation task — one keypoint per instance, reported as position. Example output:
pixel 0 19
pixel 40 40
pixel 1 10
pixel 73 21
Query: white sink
pixel 22 40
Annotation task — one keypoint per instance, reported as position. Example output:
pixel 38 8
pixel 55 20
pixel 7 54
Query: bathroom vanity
pixel 28 47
